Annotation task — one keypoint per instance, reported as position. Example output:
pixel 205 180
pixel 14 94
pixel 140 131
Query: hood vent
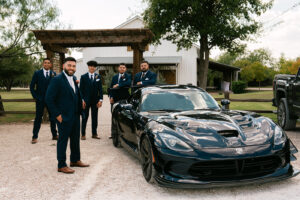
pixel 229 133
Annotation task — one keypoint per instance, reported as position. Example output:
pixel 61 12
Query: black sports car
pixel 184 139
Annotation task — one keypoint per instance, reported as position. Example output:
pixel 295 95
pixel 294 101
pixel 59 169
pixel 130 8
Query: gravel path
pixel 30 171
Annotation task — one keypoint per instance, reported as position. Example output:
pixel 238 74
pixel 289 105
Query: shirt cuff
pixel 101 100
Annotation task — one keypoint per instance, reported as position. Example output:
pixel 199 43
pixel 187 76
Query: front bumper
pixel 176 171
pixel 171 182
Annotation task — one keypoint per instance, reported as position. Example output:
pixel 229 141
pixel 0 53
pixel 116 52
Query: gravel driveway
pixel 30 171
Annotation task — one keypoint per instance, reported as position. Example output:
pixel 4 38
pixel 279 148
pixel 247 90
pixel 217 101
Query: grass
pixel 17 106
pixel 30 106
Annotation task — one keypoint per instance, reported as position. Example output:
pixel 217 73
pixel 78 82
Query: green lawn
pixel 30 106
pixel 17 106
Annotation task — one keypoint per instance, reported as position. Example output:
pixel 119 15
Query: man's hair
pixel 144 61
pixel 92 63
pixel 122 64
pixel 69 59
pixel 46 59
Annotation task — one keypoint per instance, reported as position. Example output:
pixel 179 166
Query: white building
pixel 177 67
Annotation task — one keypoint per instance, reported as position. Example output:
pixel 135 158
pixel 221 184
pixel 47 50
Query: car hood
pixel 217 129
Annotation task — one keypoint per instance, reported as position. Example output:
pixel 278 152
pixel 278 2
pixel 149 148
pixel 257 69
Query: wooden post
pixel 61 59
pixel 226 96
pixel 1 107
pixel 137 58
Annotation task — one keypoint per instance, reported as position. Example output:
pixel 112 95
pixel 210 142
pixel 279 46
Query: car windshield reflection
pixel 174 101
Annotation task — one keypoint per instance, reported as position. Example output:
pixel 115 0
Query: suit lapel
pixel 68 85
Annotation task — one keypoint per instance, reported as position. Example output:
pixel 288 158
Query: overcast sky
pixel 281 32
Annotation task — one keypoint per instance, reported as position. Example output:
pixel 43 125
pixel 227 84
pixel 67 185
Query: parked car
pixel 184 139
pixel 286 90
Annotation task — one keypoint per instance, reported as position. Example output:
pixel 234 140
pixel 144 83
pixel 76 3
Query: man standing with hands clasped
pixel 92 97
pixel 38 88
pixel 65 105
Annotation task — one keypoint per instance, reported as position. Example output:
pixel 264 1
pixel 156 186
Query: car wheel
pixel 148 169
pixel 115 134
pixel 283 116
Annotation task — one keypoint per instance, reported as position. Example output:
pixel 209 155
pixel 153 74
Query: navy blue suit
pixel 148 79
pixel 121 92
pixel 62 100
pixel 91 91
pixel 38 88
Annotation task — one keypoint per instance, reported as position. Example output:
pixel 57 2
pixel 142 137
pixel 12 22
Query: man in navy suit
pixel 38 88
pixel 65 105
pixel 120 84
pixel 145 77
pixel 92 97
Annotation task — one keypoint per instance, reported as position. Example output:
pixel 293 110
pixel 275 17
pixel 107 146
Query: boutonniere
pixel 52 75
pixel 96 76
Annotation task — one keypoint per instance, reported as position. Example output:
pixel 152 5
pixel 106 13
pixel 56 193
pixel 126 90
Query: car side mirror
pixel 127 106
pixel 224 103
pixel 135 103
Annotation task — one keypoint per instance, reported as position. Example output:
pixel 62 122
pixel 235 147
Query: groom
pixel 65 105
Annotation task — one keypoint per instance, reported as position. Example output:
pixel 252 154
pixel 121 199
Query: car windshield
pixel 177 101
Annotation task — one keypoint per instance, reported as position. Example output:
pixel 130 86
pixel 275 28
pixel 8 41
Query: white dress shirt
pixel 92 74
pixel 45 71
pixel 120 75
pixel 70 80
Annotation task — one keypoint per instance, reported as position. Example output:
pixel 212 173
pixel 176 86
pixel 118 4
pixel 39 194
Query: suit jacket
pixel 39 84
pixel 148 79
pixel 91 91
pixel 121 92
pixel 61 98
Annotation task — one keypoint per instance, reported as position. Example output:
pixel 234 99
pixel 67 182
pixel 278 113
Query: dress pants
pixel 85 117
pixel 40 105
pixel 66 130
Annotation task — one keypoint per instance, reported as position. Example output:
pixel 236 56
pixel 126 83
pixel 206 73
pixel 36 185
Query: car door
pixel 296 93
pixel 127 119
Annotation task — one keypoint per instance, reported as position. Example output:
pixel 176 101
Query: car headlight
pixel 174 143
pixel 279 136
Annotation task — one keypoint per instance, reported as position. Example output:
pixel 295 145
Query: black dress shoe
pixel 96 137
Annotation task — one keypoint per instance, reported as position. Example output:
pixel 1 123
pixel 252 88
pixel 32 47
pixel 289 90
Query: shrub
pixel 238 87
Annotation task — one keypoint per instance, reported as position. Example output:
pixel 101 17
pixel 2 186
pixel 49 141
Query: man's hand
pixel 117 85
pixel 99 104
pixel 111 100
pixel 139 83
pixel 59 118
pixel 83 104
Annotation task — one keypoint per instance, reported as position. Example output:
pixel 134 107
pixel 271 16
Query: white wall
pixel 187 69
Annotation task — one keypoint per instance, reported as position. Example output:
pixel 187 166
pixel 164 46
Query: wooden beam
pixel 54 48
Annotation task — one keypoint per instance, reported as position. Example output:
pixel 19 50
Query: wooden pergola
pixel 56 42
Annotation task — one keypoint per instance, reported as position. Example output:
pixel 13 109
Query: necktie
pixel 47 75
pixel 92 78
pixel 143 74
pixel 121 76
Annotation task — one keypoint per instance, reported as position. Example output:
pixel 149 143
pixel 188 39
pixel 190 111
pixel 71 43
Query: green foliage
pixel 247 74
pixel 219 23
pixel 19 18
pixel 239 87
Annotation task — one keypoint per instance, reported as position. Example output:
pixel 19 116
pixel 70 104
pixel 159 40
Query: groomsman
pixel 38 88
pixel 65 104
pixel 145 77
pixel 120 84
pixel 92 97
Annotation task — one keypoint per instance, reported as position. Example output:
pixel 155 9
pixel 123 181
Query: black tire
pixel 115 134
pixel 148 169
pixel 283 116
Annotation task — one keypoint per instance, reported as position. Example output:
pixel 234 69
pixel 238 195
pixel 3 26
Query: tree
pixel 17 70
pixel 283 65
pixel 247 74
pixel 222 23
pixel 295 67
pixel 18 18
pixel 260 72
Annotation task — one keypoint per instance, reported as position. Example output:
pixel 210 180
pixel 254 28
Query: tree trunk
pixel 8 84
pixel 203 62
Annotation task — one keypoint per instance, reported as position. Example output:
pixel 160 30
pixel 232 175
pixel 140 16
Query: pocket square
pixel 146 79
pixel 97 79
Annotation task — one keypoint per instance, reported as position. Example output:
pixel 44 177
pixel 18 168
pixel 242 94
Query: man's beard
pixel 144 70
pixel 67 72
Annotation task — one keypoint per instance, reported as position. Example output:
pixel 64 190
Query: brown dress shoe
pixel 96 137
pixel 34 141
pixel 83 138
pixel 66 170
pixel 78 164
pixel 55 138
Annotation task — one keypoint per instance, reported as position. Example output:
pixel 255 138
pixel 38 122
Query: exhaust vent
pixel 229 133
